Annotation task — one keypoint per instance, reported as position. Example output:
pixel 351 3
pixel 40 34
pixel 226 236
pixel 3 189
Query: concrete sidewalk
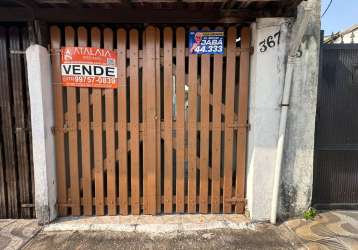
pixel 152 224
pixel 330 230
pixel 264 237
pixel 163 232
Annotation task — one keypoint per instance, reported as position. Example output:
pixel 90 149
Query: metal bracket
pixel 65 129
pixel 53 130
pixel 64 205
pixel 54 51
pixel 237 200
pixel 19 129
pixel 17 52
pixel 24 205
pixel 248 126
pixel 237 126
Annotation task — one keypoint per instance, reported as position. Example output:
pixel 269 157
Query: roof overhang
pixel 146 11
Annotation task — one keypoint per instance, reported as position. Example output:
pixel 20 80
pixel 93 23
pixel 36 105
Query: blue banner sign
pixel 206 42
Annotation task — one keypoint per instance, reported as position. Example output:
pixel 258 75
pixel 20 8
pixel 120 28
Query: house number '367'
pixel 270 42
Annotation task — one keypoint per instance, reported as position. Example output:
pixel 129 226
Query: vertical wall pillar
pixel 42 119
pixel 297 168
pixel 267 73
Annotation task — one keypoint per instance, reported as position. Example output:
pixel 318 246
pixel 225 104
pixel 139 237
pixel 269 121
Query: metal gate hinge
pixel 17 52
pixel 65 129
pixel 27 205
pixel 19 129
pixel 236 126
pixel 236 200
pixel 54 51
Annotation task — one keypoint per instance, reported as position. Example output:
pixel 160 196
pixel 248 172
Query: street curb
pixel 150 228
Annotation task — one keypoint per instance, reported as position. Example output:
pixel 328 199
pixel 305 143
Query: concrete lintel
pixel 42 119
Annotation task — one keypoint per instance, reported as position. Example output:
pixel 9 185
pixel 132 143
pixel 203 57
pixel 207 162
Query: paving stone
pixel 329 230
pixel 16 233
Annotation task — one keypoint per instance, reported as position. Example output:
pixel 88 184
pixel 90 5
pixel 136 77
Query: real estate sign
pixel 88 67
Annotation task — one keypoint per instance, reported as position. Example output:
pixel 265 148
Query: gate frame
pixel 16 168
pixel 231 197
pixel 331 147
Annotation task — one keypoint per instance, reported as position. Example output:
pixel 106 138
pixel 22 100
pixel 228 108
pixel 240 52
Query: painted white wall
pixel 266 86
pixel 267 75
pixel 42 119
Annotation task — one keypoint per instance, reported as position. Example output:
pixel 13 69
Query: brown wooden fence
pixel 171 138
pixel 16 170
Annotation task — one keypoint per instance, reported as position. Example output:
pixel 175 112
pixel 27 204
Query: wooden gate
pixel 170 139
pixel 16 168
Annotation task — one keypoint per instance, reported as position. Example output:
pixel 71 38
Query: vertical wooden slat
pixel 20 123
pixel 25 44
pixel 122 120
pixel 110 143
pixel 97 134
pixel 204 132
pixel 7 128
pixel 243 119
pixel 158 103
pixel 216 134
pixel 229 117
pixel 180 118
pixel 150 118
pixel 144 194
pixel 192 131
pixel 59 119
pixel 168 120
pixel 72 135
pixel 3 207
pixel 85 136
pixel 134 121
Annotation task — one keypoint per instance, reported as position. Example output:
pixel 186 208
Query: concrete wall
pixel 266 87
pixel 297 172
